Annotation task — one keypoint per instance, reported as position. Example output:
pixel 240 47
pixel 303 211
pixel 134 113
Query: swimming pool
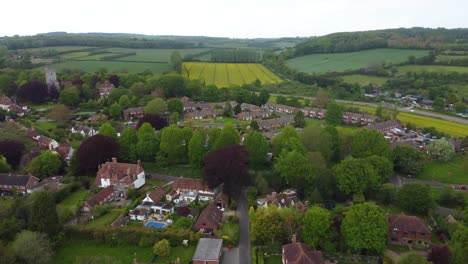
pixel 154 224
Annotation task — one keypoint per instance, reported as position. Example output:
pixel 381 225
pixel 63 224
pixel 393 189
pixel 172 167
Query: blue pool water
pixel 154 224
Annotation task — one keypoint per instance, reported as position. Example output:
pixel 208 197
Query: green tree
pixel 261 184
pixel 213 135
pixel 162 248
pixel 124 101
pixel 459 245
pixel 317 139
pixel 227 110
pixel 441 149
pixel 365 228
pixel 267 225
pixel 176 61
pixel 148 145
pixel 370 142
pixel 197 148
pixel 156 106
pixel 412 258
pixel 237 109
pixel 173 85
pixel 415 198
pixel 382 166
pixel 355 176
pixel 172 147
pixel 299 120
pixel 254 125
pixel 438 104
pixel 279 142
pixel 4 166
pixel 316 230
pixel 459 107
pixel 263 97
pixel 127 142
pixel 115 110
pixel 293 167
pixel 321 99
pixel 408 160
pixel 45 165
pixel 43 213
pixel 257 147
pixel 107 130
pixel 70 96
pixel 175 106
pixel 379 111
pixel 32 248
pixel 227 137
pixel 334 114
pixel 139 89
pixel 59 113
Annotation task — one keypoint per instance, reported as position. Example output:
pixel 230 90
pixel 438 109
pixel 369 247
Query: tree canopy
pixel 408 160
pixel 43 213
pixel 316 229
pixel 415 198
pixel 441 149
pixel 227 137
pixel 33 248
pixel 45 165
pixel 355 175
pixel 96 150
pixel 370 142
pixel 257 147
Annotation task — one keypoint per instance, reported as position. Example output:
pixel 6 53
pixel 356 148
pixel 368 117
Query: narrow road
pixel 244 229
pixel 401 109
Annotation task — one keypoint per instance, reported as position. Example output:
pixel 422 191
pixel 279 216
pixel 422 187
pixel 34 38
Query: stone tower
pixel 51 79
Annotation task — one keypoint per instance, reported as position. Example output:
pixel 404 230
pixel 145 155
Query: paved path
pixel 231 256
pixel 244 229
pixel 399 181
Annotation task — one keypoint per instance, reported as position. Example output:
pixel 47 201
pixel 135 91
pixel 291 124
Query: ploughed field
pixel 228 74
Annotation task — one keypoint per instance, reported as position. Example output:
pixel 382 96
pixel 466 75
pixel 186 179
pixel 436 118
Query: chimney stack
pixel 114 160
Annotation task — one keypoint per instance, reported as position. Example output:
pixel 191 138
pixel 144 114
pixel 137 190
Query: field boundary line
pixel 227 74
pixel 240 73
pixel 214 74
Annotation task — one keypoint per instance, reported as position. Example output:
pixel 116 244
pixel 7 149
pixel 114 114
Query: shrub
pixel 451 198
pixel 162 248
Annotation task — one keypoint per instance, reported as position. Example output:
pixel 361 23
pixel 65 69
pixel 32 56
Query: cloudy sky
pixel 227 18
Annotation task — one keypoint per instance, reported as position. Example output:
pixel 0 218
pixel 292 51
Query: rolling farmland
pixel 228 74
pixel 432 68
pixel 338 62
pixel 364 79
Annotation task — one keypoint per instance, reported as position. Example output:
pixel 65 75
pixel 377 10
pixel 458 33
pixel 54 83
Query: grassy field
pixel 364 79
pixel 69 204
pixel 447 58
pixel 432 68
pixel 452 172
pixel 92 66
pixel 57 48
pixel 176 170
pixel 448 127
pixel 107 219
pixel 337 62
pixel 228 74
pixel 153 55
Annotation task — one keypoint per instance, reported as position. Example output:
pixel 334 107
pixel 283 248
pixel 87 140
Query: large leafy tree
pixel 408 160
pixel 440 254
pixel 257 147
pixel 173 85
pixel 365 228
pixel 279 142
pixel 267 225
pixel 12 151
pixel 370 142
pixel 115 110
pixel 355 175
pixel 127 142
pixel 156 106
pixel 162 248
pixel 334 114
pixel 197 148
pixel 32 248
pixel 227 137
pixel 70 96
pixel 382 166
pixel 293 168
pixel 60 113
pixel 316 227
pixel 175 106
pixel 459 245
pixel 156 121
pixel 172 147
pixel 148 145
pixel 228 165
pixel 4 166
pixel 317 139
pixel 107 130
pixel 33 91
pixel 45 165
pixel 96 150
pixel 415 198
pixel 213 135
pixel 441 149
pixel 43 213
pixel 299 120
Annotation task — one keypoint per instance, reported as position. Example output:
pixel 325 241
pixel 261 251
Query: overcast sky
pixel 223 18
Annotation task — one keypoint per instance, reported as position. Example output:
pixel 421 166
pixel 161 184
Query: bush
pixel 387 194
pixel 162 248
pixel 254 255
pixel 451 198
pixel 359 198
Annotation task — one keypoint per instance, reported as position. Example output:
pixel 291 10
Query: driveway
pixel 244 229
pixel 230 256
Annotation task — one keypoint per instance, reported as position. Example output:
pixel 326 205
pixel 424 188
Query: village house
pixel 120 175
pixel 425 103
pixel 5 103
pixel 8 105
pixel 134 112
pixel 275 123
pixel 20 183
pixel 208 251
pixel 408 230
pixel 387 126
pixel 96 118
pixel 355 118
pixel 189 189
pixel 300 253
pixel 32 134
pixel 104 196
pixel 50 184
pixel 250 108
pixel 138 214
pixel 201 114
pixel 221 200
pixel 155 196
pixel 83 130
pixel 315 113
pixel 281 108
pixel 65 151
pixel 285 198
pixel 209 220
pixel 246 116
pixel 47 143
pixel 105 89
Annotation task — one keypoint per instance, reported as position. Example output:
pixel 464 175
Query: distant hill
pixel 413 38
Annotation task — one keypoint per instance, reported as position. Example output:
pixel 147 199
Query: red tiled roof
pixel 189 184
pixel 119 172
pixel 100 196
pixel 407 223
pixel 209 219
pixel 300 253
pixel 5 100
pixel 32 133
pixel 45 140
pixel 157 195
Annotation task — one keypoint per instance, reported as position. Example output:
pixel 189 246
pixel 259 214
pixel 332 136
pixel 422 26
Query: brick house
pixel 97 118
pixel 387 126
pixel 121 175
pixel 5 103
pixel 281 108
pixel 47 143
pixel 300 253
pixel 201 114
pixel 313 112
pixel 209 219
pixel 246 116
pixel 250 107
pixel 356 118
pixel 84 130
pixel 104 196
pixel 155 196
pixel 274 123
pixel 20 183
pixel 105 89
pixel 134 112
pixel 408 230
pixel 208 251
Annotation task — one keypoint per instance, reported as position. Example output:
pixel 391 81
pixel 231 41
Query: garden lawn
pixel 175 170
pixel 432 68
pixel 273 260
pixel 107 219
pixel 184 253
pixel 453 172
pixel 364 79
pixel 77 251
pixel 72 200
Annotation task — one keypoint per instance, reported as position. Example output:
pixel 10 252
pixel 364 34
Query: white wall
pixel 140 181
